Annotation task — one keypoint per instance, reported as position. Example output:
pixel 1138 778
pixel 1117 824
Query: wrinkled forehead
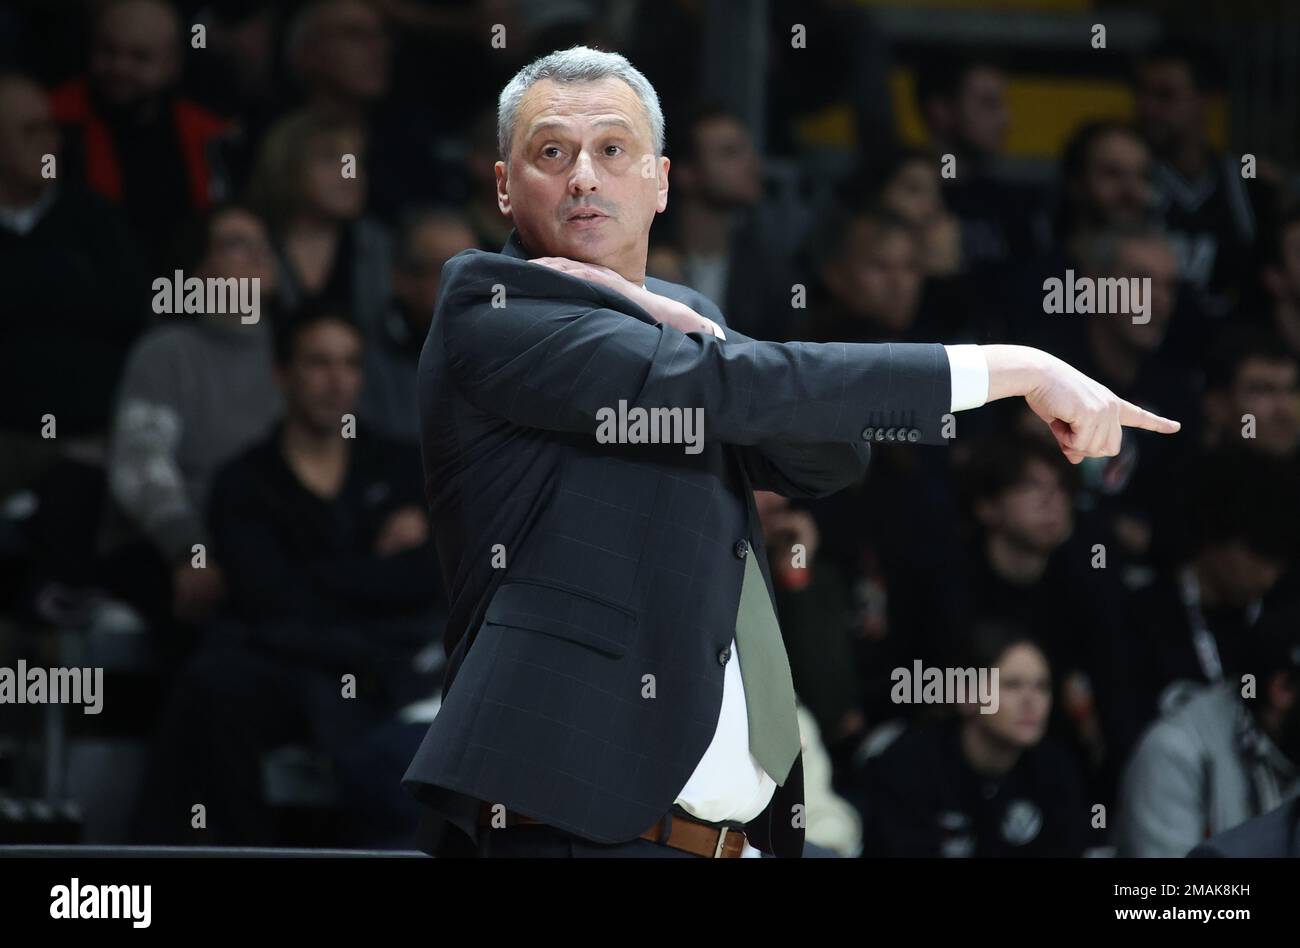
pixel 578 107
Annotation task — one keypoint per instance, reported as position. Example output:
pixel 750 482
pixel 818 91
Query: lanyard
pixel 1207 650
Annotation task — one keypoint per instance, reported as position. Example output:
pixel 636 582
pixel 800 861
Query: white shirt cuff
pixel 970 376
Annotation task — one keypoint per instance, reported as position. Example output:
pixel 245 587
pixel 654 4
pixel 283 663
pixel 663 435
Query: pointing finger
pixel 1133 417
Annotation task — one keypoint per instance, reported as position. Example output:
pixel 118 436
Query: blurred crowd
pixel 185 477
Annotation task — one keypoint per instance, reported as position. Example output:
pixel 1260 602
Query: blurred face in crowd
pixel 28 132
pixel 1170 109
pixel 913 193
pixel 877 275
pixel 582 181
pixel 322 379
pixel 1283 277
pixel 325 192
pixel 725 169
pixel 136 52
pixel 1239 574
pixel 1033 514
pixel 1153 259
pixel 1267 389
pixel 345 52
pixel 430 244
pixel 977 118
pixel 238 247
pixel 1116 189
pixel 1024 698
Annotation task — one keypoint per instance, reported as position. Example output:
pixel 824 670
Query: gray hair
pixel 577 64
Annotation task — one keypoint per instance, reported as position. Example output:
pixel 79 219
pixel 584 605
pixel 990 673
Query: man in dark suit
pixel 616 683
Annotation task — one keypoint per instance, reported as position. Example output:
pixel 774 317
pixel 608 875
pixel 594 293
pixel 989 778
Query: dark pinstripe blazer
pixel 585 674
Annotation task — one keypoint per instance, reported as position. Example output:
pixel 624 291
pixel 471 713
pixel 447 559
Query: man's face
pixel 582 181
pixel 1241 574
pixel 1170 109
pixel 136 56
pixel 982 114
pixel 238 248
pixel 878 276
pixel 416 278
pixel 1024 698
pixel 322 380
pixel 913 193
pixel 348 53
pixel 1033 513
pixel 1116 185
pixel 1152 259
pixel 1268 389
pixel 726 164
pixel 28 132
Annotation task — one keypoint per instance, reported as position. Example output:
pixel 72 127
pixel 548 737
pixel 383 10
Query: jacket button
pixel 724 656
pixel 867 433
pixel 880 434
pixel 742 549
pixel 914 435
pixel 891 434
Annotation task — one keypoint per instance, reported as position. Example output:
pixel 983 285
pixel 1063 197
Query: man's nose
pixel 584 179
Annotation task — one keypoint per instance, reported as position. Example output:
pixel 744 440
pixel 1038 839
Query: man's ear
pixel 662 202
pixel 1281 691
pixel 503 189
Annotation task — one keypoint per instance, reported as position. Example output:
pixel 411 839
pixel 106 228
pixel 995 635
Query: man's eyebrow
pixel 561 124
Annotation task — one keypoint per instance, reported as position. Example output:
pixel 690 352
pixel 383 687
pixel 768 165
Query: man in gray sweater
pixel 1229 753
pixel 196 392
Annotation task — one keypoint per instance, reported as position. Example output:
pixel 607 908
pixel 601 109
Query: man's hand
pixel 196 590
pixel 405 529
pixel 666 311
pixel 1086 417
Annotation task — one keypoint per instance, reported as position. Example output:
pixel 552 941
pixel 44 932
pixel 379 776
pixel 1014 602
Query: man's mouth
pixel 586 214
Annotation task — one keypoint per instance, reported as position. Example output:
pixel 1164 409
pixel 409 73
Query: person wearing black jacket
pixel 333 611
pixel 981 785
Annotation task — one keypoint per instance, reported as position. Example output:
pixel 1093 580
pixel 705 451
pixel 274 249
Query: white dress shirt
pixel 728 783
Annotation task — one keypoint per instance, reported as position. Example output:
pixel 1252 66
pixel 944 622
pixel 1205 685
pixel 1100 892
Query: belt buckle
pixel 722 836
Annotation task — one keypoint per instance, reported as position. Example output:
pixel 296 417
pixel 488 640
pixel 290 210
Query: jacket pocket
pixel 563 613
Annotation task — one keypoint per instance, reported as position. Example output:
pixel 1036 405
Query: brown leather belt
pixel 693 836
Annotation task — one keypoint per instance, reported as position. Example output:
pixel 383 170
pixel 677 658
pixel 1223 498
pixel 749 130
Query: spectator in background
pixel 329 251
pixel 73 293
pixel 1200 196
pixel 1281 279
pixel 981 785
pixel 729 245
pixel 1230 753
pixel 1251 384
pixel 194 394
pixel 133 139
pixel 1104 188
pixel 331 574
pixel 906 182
pixel 340 54
pixel 1031 564
pixel 963 103
pixel 426 240
pixel 1190 625
pixel 1123 352
pixel 869 282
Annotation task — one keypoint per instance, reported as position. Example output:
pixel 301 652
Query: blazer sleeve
pixel 550 356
